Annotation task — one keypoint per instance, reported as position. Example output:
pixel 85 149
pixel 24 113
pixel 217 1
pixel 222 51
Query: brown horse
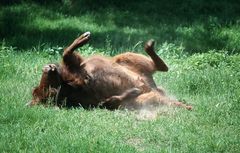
pixel 122 81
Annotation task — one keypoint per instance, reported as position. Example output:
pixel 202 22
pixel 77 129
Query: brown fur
pixel 122 81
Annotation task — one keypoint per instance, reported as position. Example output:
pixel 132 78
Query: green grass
pixel 199 40
pixel 197 25
pixel 213 125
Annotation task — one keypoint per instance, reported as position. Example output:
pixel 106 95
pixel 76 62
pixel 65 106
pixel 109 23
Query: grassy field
pixel 199 45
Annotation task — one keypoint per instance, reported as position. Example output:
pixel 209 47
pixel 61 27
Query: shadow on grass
pixel 197 25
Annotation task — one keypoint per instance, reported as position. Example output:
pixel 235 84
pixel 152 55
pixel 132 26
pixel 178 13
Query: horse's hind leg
pixel 135 62
pixel 141 64
pixel 159 63
pixel 153 99
pixel 114 102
